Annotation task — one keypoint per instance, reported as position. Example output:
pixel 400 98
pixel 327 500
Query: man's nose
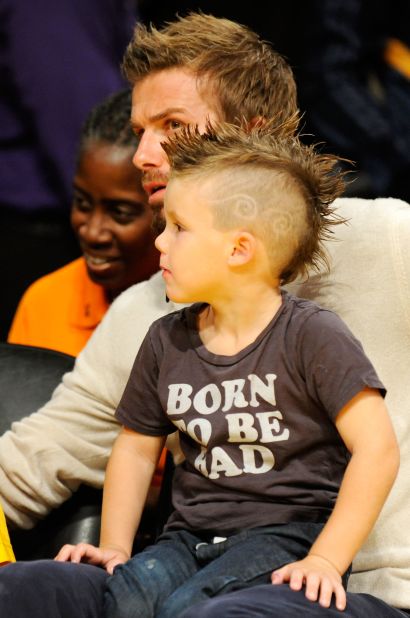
pixel 149 152
pixel 96 229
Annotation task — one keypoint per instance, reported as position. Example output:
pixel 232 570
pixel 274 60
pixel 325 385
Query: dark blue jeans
pixel 48 589
pixel 182 569
pixel 269 601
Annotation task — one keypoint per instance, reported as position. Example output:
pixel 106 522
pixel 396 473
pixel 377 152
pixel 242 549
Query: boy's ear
pixel 242 248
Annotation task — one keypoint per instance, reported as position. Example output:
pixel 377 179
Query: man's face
pixel 162 103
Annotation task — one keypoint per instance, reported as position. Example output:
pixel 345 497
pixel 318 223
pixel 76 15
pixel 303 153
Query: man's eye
pixel 138 133
pixel 175 125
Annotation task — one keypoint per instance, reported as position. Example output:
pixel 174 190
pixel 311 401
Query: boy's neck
pixel 227 327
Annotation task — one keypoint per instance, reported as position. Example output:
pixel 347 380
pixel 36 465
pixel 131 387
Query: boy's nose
pixel 160 242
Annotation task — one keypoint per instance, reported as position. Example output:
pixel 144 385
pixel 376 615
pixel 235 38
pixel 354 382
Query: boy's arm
pixel 128 477
pixel 365 427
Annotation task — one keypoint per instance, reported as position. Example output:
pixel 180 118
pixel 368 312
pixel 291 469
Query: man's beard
pixel 158 220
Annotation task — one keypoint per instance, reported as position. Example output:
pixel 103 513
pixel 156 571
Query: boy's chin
pixel 177 298
pixel 180 298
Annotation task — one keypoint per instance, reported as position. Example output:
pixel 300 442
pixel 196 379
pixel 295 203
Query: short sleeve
pixel 140 408
pixel 334 363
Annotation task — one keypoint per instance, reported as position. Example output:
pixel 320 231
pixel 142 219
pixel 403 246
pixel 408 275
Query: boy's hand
pixel 320 577
pixel 99 556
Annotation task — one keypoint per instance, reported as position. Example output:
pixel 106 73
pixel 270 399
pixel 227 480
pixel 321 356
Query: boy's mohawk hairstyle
pixel 272 147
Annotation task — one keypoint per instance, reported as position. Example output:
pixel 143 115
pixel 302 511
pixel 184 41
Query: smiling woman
pixel 111 218
pixel 112 221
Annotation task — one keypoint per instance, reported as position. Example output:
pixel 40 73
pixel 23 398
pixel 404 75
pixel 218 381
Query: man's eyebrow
pixel 161 115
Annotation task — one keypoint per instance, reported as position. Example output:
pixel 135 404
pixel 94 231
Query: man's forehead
pixel 172 92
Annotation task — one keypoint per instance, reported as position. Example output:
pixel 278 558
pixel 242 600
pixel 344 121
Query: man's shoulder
pixel 134 311
pixel 147 296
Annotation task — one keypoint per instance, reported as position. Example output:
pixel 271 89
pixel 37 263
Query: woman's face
pixel 112 219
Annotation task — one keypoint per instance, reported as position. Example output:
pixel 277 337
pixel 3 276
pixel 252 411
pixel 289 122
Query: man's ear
pixel 243 248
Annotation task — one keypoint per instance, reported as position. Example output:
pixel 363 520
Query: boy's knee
pixel 130 592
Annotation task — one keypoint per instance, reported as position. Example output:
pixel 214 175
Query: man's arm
pixel 46 456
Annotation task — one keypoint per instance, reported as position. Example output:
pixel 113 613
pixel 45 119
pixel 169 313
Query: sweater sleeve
pixel 46 456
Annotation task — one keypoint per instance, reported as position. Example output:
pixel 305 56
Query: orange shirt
pixel 60 311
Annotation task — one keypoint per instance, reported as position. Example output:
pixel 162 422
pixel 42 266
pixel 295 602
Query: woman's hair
pixel 264 180
pixel 109 122
pixel 239 74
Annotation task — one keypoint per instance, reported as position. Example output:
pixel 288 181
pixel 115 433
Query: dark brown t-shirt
pixel 257 428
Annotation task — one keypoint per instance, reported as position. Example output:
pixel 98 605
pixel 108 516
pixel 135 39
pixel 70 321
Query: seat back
pixel 28 376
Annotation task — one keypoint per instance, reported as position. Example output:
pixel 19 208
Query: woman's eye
pixel 126 213
pixel 81 203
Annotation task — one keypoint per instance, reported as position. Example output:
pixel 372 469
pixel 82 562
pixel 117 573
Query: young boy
pixel 289 449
